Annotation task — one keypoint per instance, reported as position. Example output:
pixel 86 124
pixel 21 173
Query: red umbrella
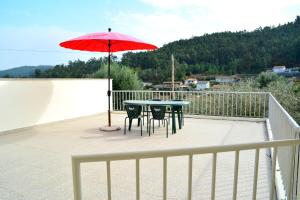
pixel 107 42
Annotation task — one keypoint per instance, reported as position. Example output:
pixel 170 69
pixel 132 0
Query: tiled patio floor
pixel 36 163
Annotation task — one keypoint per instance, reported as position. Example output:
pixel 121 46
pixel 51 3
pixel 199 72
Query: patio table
pixel 160 103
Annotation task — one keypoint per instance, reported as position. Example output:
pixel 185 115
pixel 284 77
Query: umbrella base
pixel 109 128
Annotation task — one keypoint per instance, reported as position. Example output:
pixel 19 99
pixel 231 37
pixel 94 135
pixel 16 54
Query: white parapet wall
pixel 29 102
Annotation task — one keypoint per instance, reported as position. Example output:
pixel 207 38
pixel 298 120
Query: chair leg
pixel 167 128
pixel 182 118
pixel 141 127
pixel 179 118
pixel 153 126
pixel 125 126
pixel 139 121
pixel 143 114
pixel 149 127
pixel 130 122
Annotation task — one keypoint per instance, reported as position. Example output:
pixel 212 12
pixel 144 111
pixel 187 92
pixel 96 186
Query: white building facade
pixel 202 85
pixel 279 69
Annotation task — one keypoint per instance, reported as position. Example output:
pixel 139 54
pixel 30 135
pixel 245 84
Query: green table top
pixel 149 102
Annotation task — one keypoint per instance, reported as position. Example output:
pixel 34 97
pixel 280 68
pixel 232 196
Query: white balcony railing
pixel 283 126
pixel 189 152
pixel 284 148
pixel 213 103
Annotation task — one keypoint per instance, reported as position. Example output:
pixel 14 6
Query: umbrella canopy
pixel 107 42
pixel 99 42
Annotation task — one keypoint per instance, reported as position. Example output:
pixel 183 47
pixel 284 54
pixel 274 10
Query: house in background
pixel 167 86
pixel 202 85
pixel 225 79
pixel 279 69
pixel 147 84
pixel 190 81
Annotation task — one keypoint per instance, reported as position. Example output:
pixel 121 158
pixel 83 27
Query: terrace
pixel 226 149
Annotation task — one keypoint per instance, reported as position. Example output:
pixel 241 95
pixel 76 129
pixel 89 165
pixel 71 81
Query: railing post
pixel 190 177
pixel 213 176
pixel 254 189
pixel 137 180
pixel 76 179
pixel 165 178
pixel 236 173
pixel 272 189
pixel 108 180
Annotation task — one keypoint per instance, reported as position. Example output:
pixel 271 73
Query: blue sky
pixel 30 30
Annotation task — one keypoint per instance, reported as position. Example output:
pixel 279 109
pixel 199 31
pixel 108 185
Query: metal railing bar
pixel 236 174
pixel 291 174
pixel 108 180
pixel 235 92
pixel 236 104
pixel 250 105
pixel 259 107
pixel 232 104
pixel 254 114
pixel 76 180
pixel 213 181
pixel 210 102
pixel 227 104
pixel 190 177
pixel 256 164
pixel 183 152
pixel 265 99
pixel 165 177
pixel 274 158
pixel 137 180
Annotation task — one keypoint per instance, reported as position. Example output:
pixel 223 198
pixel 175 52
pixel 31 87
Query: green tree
pixel 124 78
pixel 37 73
pixel 264 78
pixel 284 90
pixel 223 53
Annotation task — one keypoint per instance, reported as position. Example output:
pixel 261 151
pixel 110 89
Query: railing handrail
pixel 182 151
pixel 198 91
pixel 190 152
pixel 289 117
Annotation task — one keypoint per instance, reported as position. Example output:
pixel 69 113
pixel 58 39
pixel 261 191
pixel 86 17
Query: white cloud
pixel 171 20
pixel 163 21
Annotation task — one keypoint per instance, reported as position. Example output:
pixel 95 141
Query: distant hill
pixel 222 53
pixel 24 71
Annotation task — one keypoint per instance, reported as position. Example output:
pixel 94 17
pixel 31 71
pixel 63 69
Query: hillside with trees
pixel 74 69
pixel 24 71
pixel 222 53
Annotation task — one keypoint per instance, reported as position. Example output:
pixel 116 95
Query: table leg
pixel 179 118
pixel 173 121
pixel 147 118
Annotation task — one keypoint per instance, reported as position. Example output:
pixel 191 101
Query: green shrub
pixel 265 78
pixel 124 78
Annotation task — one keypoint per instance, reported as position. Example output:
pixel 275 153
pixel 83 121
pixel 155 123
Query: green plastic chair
pixel 146 108
pixel 158 113
pixel 133 112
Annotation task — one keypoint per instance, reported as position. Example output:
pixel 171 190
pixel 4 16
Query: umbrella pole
pixel 109 91
pixel 109 127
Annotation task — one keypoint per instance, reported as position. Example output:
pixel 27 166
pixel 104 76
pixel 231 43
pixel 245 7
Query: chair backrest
pixel 177 107
pixel 158 112
pixel 133 111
